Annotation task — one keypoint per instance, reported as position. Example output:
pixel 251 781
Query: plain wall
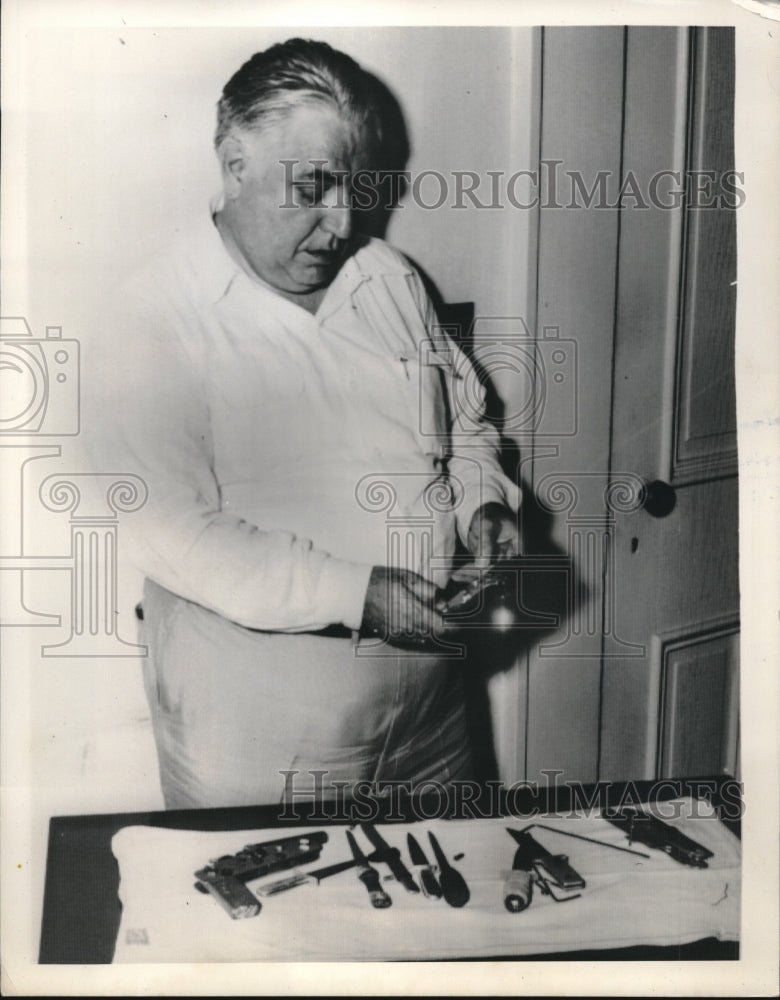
pixel 119 130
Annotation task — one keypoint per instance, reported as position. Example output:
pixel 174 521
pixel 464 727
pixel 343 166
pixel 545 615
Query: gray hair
pixel 271 84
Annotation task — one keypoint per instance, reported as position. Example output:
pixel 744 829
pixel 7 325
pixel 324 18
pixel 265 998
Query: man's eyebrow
pixel 317 173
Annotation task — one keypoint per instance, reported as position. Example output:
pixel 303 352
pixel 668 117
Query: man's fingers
pixel 421 588
pixel 508 548
pixel 400 608
pixel 467 573
pixel 493 534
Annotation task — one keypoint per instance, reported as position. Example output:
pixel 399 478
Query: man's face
pixel 293 222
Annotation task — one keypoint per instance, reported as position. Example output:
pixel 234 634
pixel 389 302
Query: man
pixel 274 382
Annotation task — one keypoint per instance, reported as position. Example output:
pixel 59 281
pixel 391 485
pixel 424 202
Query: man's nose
pixel 337 218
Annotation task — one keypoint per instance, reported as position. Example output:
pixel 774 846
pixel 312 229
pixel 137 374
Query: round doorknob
pixel 659 498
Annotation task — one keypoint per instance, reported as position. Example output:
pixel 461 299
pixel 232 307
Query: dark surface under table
pixel 82 911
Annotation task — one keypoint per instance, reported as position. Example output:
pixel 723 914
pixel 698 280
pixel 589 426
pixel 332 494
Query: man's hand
pixel 399 608
pixel 492 536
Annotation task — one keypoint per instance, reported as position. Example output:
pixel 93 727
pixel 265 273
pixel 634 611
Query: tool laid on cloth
pixel 453 885
pixel 368 876
pixel 224 877
pixel 643 828
pixel 628 899
pixel 391 857
pixel 303 878
pixel 534 863
pixel 430 885
pixel 519 881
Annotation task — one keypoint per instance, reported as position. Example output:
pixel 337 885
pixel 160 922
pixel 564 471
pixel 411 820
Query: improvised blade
pixel 416 853
pixel 391 857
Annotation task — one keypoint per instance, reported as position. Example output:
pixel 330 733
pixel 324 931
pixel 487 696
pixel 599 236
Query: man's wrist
pixel 466 513
pixel 341 592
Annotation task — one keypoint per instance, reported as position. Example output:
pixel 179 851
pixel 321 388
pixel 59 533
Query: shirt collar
pixel 216 270
pixel 212 267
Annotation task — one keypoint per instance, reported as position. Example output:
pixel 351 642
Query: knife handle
pixel 518 889
pixel 379 898
pixel 430 886
pixel 283 884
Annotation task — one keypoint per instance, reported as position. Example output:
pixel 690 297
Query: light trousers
pixel 235 711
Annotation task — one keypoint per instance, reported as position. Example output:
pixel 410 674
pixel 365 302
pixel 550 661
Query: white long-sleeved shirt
pixel 286 453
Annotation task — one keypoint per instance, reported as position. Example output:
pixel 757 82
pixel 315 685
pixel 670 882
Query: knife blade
pixel 303 878
pixel 391 857
pixel 453 885
pixel 368 876
pixel 430 885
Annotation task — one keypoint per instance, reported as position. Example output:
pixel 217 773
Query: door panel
pixel 582 95
pixel 674 711
pixel 641 678
pixel 699 695
pixel 705 439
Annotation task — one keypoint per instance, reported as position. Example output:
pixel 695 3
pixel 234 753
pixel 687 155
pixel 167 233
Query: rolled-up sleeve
pixel 475 444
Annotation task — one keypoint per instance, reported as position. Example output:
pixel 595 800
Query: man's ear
pixel 232 158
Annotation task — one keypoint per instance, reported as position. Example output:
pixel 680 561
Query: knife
pixel 368 876
pixel 391 856
pixel 302 878
pixel 453 885
pixel 556 865
pixel 644 828
pixel 430 886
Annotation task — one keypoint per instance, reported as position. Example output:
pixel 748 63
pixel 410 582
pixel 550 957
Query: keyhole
pixel 634 544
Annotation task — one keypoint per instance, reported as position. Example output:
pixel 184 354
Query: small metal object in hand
pixel 488 601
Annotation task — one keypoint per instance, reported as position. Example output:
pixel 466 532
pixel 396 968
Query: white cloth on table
pixel 628 900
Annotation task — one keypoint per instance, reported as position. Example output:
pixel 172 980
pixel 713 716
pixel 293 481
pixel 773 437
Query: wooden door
pixel 673 710
pixel 641 678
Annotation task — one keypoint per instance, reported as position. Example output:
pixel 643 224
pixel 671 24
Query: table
pixel 82 911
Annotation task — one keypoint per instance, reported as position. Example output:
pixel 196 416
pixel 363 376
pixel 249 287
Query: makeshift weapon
pixel 646 829
pixel 224 877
